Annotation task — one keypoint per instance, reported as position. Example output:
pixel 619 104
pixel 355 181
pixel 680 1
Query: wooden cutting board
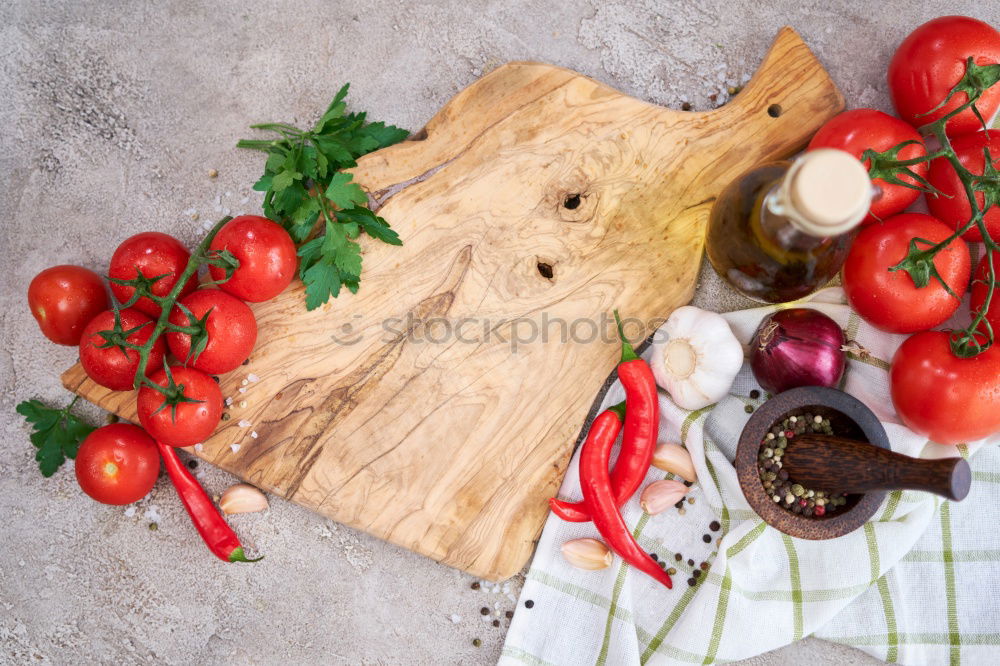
pixel 419 410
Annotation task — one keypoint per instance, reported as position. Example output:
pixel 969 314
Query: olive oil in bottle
pixel 782 230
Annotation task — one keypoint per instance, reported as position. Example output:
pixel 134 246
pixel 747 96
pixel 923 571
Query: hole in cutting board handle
pixel 545 270
pixel 572 201
pixel 774 110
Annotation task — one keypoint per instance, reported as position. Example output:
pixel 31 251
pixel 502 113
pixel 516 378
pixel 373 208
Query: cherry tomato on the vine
pixel 953 206
pixel 948 399
pixel 858 130
pixel 186 423
pixel 152 254
pixel 931 60
pixel 63 299
pixel 889 300
pixel 266 254
pixel 115 366
pixel 117 464
pixel 231 331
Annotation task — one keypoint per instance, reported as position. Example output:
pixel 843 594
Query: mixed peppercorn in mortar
pixel 782 489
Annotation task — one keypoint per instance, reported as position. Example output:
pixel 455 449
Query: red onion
pixel 797 347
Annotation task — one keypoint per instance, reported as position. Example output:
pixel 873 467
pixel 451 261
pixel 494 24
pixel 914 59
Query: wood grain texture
pixel 450 447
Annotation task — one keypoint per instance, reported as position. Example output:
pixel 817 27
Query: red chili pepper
pixel 596 483
pixel 212 527
pixel 642 425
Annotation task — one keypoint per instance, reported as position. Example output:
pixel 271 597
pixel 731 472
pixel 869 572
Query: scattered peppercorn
pixel 216 378
pixel 484 611
pixel 696 573
pixel 690 563
pixel 111 418
pixel 475 585
pixel 714 526
pixel 678 557
pixel 226 416
pixel 686 106
pixel 655 557
pixel 706 538
pixel 496 623
pixel 529 604
pixel 193 464
pixel 153 527
pixel 748 409
pixel 672 571
pixel 754 394
pixel 246 362
pixel 704 566
pixel 509 614
pixel 663 565
pixel 476 642
pixel 692 581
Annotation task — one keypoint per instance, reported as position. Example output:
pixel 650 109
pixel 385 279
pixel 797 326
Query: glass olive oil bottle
pixel 782 230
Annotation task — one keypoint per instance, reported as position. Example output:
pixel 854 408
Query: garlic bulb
pixel 695 357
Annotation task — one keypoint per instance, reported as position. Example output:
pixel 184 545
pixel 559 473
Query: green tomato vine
pixel 979 335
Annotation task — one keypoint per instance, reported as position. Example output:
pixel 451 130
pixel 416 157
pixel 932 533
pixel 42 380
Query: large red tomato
pixel 231 331
pixel 980 287
pixel 888 299
pixel 858 130
pixel 152 254
pixel 951 400
pixel 931 60
pixel 954 207
pixel 115 366
pixel 266 254
pixel 63 299
pixel 186 423
pixel 117 464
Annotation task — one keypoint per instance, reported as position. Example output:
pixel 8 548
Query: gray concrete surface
pixel 112 114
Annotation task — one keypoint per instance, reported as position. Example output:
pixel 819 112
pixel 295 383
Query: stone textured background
pixel 113 112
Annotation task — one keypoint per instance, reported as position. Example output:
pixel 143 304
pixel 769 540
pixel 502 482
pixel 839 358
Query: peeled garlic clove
pixel 242 498
pixel 588 554
pixel 675 459
pixel 661 495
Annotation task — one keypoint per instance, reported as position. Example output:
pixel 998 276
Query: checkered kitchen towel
pixel 919 584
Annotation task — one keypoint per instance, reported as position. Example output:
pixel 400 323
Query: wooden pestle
pixel 825 462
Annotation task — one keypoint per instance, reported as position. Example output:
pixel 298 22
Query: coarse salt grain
pixel 244 382
pixel 243 403
pixel 199 447
pixel 229 401
pixel 252 377
pixel 254 434
pixel 129 512
pixel 234 447
pixel 455 618
pixel 242 390
pixel 244 423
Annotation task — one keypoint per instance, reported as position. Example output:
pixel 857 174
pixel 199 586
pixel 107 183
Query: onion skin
pixel 797 347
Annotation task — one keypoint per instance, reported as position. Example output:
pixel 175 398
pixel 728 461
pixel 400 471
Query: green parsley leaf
pixel 304 182
pixel 57 433
pixel 344 192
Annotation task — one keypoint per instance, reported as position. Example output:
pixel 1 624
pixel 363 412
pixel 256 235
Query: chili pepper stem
pixel 628 353
pixel 238 556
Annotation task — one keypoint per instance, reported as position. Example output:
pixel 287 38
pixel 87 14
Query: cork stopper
pixel 827 192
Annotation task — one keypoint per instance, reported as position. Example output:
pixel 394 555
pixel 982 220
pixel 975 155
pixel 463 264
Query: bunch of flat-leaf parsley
pixel 304 184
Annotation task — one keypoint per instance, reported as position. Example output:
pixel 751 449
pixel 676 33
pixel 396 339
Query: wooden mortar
pixel 853 420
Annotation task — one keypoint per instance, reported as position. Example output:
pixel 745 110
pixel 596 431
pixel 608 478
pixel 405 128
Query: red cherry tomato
pixel 889 300
pixel 115 366
pixel 858 130
pixel 190 422
pixel 980 287
pixel 266 254
pixel 117 464
pixel 63 299
pixel 948 399
pixel 231 329
pixel 954 207
pixel 152 254
pixel 931 60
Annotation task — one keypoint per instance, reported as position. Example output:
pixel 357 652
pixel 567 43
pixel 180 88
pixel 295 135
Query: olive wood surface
pixel 535 192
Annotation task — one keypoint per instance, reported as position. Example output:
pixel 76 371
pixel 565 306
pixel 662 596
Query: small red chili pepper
pixel 596 483
pixel 642 425
pixel 212 527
